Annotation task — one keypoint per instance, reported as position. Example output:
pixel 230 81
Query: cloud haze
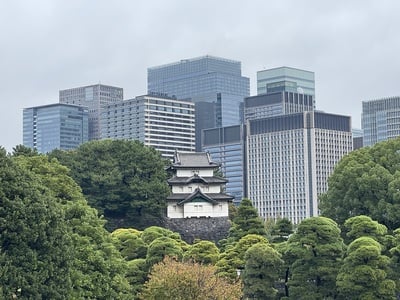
pixel 352 46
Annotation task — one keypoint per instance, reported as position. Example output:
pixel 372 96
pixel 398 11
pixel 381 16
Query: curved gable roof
pixel 193 160
pixel 198 194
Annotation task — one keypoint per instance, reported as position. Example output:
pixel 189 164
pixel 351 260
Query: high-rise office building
pixel 55 126
pixel 380 120
pixel 226 145
pixel 276 103
pixel 289 159
pixel 285 79
pixel 216 85
pixel 165 123
pixel 358 136
pixel 93 97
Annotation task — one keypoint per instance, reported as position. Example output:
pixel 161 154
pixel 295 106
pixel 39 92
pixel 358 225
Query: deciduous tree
pixel 174 280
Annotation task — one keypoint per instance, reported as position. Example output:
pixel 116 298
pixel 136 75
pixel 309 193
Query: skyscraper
pixel 93 97
pixel 285 79
pixel 165 123
pixel 380 120
pixel 289 159
pixel 55 126
pixel 226 146
pixel 276 103
pixel 216 85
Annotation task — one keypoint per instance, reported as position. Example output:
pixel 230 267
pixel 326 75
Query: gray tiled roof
pixel 193 159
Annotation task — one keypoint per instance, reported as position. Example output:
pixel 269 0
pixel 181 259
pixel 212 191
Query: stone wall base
pixel 211 229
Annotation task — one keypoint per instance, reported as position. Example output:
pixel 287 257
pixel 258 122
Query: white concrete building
pixel 165 123
pixel 290 158
pixel 196 192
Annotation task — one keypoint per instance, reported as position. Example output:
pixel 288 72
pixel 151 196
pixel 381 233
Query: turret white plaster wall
pixel 188 189
pixel 191 172
pixel 197 210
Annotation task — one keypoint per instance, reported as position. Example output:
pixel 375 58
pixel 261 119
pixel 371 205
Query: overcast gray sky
pixel 352 46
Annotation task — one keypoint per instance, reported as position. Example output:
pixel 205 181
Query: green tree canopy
pixel 153 232
pixel 263 267
pixel 124 180
pixel 232 259
pixel 129 243
pixel 394 251
pixel 97 267
pixel 314 253
pixel 365 182
pixel 204 252
pixel 246 221
pixel 281 230
pixel 36 250
pixel 364 272
pixel 137 275
pixel 23 150
pixel 359 226
pixel 162 247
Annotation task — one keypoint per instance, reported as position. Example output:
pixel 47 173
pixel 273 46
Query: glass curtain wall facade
pixel 380 120
pixel 226 146
pixel 289 159
pixel 55 126
pixel 214 84
pixel 94 97
pixel 285 79
pixel 165 123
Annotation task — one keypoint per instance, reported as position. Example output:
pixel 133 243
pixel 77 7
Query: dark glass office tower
pixel 216 85
pixel 55 126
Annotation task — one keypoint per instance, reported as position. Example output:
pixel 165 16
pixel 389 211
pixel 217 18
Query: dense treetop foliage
pixel 313 253
pixel 364 272
pixel 33 236
pixel 246 221
pixel 53 245
pixel 366 182
pixel 263 269
pixel 124 180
